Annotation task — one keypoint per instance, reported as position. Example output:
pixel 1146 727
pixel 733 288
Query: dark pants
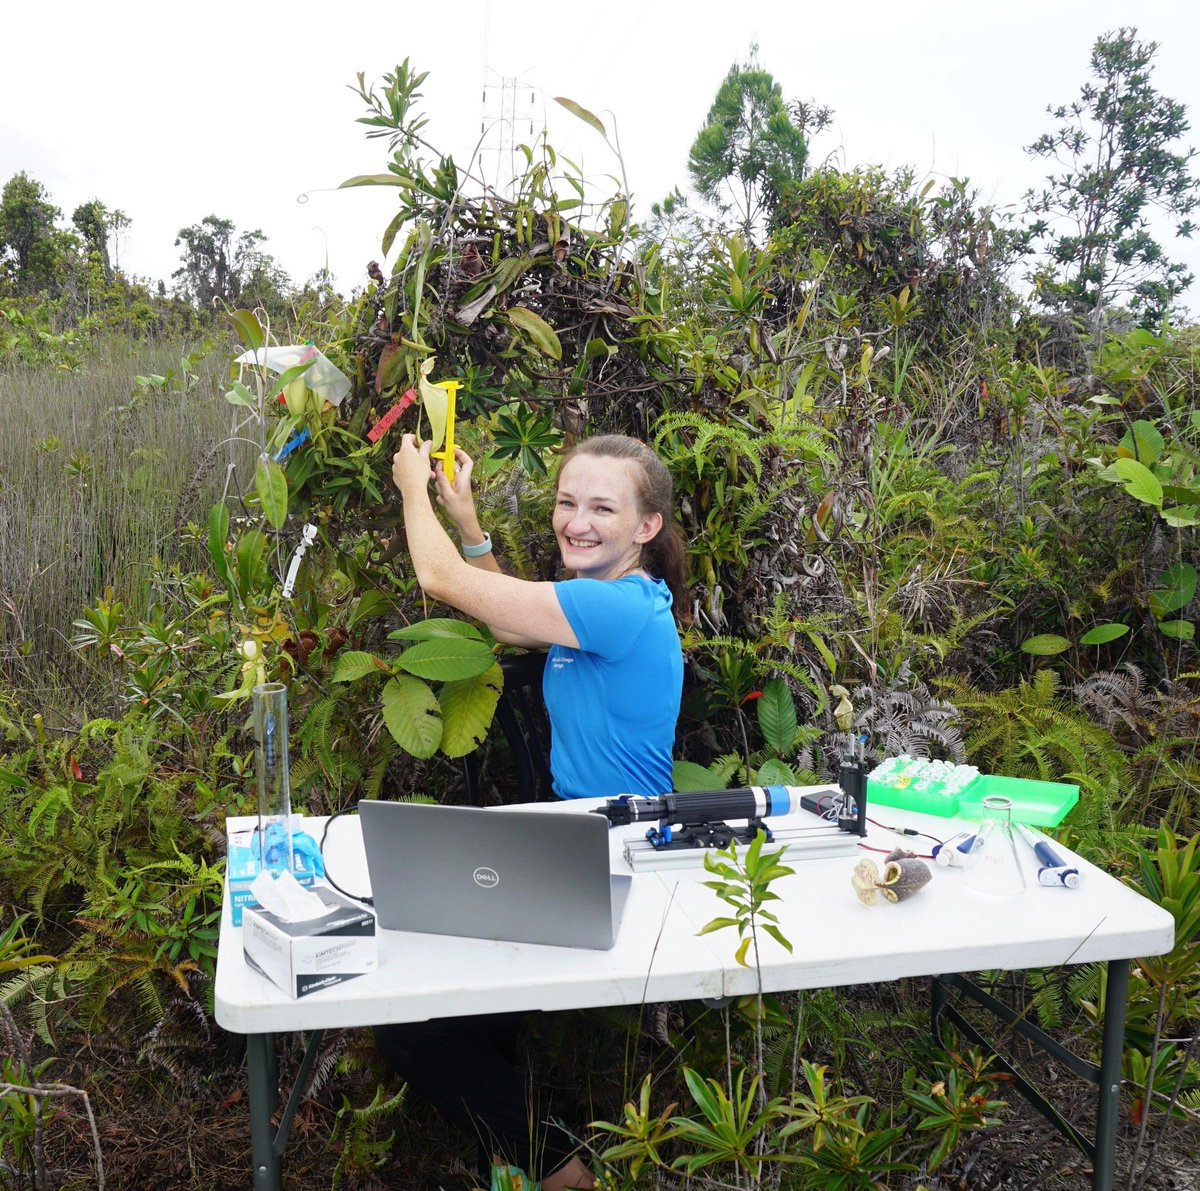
pixel 467 1068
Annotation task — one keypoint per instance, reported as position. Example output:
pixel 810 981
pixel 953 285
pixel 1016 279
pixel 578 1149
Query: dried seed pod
pixel 903 875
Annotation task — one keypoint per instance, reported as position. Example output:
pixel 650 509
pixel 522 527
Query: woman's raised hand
pixel 411 470
pixel 456 498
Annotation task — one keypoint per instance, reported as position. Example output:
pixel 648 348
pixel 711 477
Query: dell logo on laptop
pixel 486 878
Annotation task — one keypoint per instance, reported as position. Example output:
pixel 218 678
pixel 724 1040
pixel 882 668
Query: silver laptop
pixel 522 876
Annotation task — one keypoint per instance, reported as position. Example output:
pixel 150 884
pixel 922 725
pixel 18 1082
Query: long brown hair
pixel 663 555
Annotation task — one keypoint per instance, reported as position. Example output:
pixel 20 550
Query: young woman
pixel 612 685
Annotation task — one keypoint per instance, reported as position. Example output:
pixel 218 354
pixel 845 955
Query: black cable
pixel 366 901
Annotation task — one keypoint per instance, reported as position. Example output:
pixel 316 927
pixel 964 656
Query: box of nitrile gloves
pixel 242 865
pixel 302 957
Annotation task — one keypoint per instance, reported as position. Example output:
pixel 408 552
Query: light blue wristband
pixel 484 547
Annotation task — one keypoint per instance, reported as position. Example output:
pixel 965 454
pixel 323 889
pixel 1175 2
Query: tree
pixel 1115 147
pixel 31 246
pixel 219 270
pixel 750 146
pixel 91 220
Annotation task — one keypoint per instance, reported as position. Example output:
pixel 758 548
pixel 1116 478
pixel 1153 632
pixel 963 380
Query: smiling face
pixel 597 521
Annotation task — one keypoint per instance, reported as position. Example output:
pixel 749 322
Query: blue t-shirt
pixel 614 701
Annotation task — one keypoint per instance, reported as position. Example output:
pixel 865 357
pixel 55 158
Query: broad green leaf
pixel 1045 645
pixel 1140 482
pixel 582 112
pixel 1102 634
pixel 1144 442
pixel 436 626
pixel 355 664
pixel 371 604
pixel 218 535
pixel 412 716
pixel 688 777
pixel 774 772
pixel 1180 630
pixel 1104 399
pixel 240 395
pixel 540 332
pixel 1182 517
pixel 270 482
pixel 1177 590
pixel 740 954
pixel 1181 495
pixel 467 710
pixel 777 716
pixel 446 659
pixel 249 329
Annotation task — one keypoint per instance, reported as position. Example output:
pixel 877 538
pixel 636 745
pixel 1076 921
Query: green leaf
pixel 1179 630
pixel 447 659
pixel 436 626
pixel 825 653
pixel 775 934
pixel 1178 587
pixel 375 180
pixel 1102 634
pixel 218 535
pixel 467 710
pixel 240 395
pixel 270 482
pixel 583 114
pixel 717 924
pixel 740 953
pixel 687 776
pixel 774 772
pixel 1045 645
pixel 777 716
pixel 1181 517
pixel 702 1093
pixel 249 329
pixel 354 664
pixel 1144 441
pixel 371 605
pixel 1140 482
pixel 412 716
pixel 540 332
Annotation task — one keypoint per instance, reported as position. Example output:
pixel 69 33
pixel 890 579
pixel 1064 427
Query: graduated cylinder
pixel 271 767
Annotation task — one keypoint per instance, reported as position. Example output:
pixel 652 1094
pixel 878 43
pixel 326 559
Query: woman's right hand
pixel 456 498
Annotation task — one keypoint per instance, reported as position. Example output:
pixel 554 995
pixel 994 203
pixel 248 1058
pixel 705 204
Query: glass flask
pixel 993 869
pixel 271 769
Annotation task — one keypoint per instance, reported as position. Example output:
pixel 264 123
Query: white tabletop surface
pixel 659 956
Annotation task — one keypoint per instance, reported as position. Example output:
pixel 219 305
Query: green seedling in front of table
pixel 745 886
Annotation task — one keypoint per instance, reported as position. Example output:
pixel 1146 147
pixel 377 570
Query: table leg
pixel 1108 1102
pixel 263 1088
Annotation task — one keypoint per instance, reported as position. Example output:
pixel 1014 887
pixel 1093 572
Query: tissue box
pixel 241 867
pixel 302 957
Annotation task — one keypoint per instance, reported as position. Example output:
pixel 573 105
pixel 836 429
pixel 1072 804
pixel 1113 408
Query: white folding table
pixel 939 932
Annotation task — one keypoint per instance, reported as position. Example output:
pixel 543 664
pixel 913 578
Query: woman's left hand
pixel 411 470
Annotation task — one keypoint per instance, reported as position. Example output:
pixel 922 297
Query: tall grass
pixel 98 479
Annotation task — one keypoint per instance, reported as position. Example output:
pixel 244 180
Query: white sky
pixel 172 112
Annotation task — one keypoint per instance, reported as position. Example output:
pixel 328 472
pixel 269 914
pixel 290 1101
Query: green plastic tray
pixel 1040 804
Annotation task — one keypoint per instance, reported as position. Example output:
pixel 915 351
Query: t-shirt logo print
pixel 486 878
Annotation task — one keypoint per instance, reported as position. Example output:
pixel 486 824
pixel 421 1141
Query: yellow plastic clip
pixel 446 454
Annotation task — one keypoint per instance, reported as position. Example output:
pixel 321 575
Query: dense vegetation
pixel 969 514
